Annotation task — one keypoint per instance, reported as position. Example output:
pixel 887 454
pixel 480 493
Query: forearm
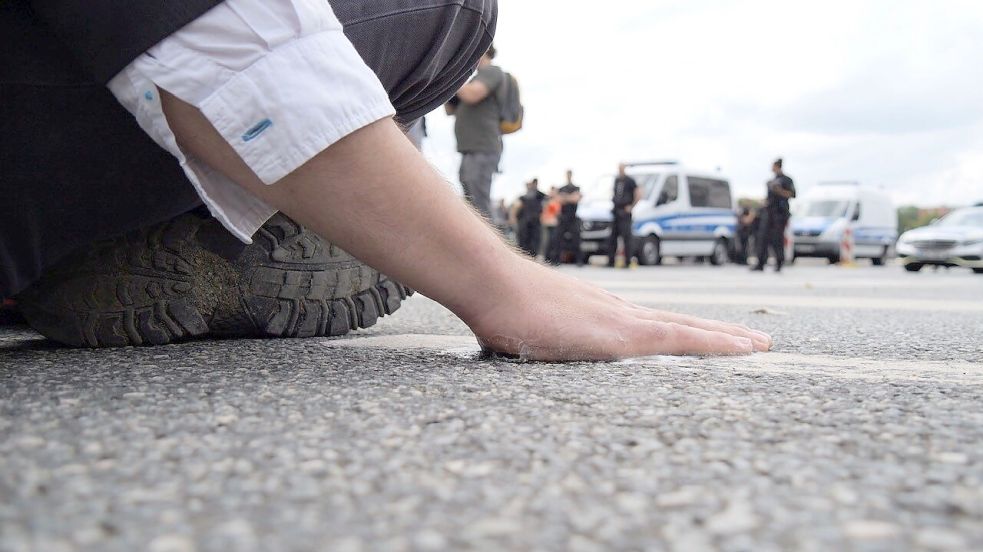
pixel 373 195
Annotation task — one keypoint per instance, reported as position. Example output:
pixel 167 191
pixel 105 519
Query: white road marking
pixel 816 302
pixel 766 285
pixel 772 363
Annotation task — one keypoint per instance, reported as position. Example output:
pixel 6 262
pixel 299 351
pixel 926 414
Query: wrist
pixel 486 281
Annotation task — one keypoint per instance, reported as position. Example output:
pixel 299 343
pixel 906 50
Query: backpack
pixel 511 110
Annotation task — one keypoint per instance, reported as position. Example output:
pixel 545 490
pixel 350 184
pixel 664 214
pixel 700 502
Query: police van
pixel 682 213
pixel 823 214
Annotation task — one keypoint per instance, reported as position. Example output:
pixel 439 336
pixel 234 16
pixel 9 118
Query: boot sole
pixel 159 286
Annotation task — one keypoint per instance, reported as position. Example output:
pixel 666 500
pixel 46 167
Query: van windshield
pixel 827 209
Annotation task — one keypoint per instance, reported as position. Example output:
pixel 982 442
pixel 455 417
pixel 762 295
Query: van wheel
pixel 913 267
pixel 882 260
pixel 719 255
pixel 833 259
pixel 650 252
pixel 978 271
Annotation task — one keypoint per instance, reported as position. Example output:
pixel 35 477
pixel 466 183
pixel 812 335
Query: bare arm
pixel 473 92
pixel 381 209
pixel 323 195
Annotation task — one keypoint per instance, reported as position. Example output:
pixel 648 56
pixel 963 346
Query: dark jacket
pixel 104 36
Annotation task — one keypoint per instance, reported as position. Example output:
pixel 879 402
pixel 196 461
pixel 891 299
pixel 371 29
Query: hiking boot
pixel 190 278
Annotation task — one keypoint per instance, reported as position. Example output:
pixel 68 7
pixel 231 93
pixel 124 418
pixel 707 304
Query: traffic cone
pixel 847 247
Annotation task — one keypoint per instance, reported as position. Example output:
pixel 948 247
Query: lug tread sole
pixel 146 288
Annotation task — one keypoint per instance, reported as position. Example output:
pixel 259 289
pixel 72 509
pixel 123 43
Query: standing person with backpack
pixel 485 109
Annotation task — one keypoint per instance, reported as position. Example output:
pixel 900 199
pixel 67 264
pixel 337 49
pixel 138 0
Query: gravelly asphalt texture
pixel 863 431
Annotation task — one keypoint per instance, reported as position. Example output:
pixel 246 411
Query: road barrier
pixel 847 248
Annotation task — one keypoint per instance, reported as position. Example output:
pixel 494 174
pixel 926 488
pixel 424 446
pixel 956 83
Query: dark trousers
pixel 741 252
pixel 529 235
pixel 620 227
pixel 565 245
pixel 772 236
pixel 77 168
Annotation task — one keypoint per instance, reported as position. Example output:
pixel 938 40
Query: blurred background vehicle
pixel 954 240
pixel 683 213
pixel 825 212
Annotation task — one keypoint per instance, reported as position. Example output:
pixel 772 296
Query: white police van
pixel 682 213
pixel 822 215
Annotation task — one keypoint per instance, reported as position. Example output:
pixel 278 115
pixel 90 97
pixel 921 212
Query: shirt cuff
pixel 284 109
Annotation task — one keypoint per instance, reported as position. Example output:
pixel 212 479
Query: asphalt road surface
pixel 862 431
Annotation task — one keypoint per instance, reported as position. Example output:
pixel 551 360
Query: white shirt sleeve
pixel 278 79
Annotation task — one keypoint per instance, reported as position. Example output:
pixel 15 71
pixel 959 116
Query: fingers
pixel 762 341
pixel 669 338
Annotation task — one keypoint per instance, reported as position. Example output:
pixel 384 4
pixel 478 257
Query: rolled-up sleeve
pixel 280 82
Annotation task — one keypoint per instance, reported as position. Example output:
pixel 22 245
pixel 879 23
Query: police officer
pixel 529 209
pixel 566 238
pixel 746 226
pixel 626 195
pixel 775 215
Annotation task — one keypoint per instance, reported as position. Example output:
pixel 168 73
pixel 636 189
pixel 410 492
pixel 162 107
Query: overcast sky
pixel 889 93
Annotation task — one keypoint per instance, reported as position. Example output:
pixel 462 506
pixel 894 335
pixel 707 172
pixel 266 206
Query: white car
pixel 954 240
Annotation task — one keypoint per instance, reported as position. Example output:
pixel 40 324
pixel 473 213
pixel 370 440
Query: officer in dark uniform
pixel 626 195
pixel 775 215
pixel 530 209
pixel 566 238
pixel 745 229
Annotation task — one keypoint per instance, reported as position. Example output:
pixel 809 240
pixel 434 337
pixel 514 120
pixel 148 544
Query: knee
pixel 429 52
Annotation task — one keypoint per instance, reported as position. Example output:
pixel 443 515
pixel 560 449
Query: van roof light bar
pixel 649 163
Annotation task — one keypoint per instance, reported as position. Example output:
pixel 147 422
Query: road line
pixel 766 285
pixel 770 363
pixel 785 301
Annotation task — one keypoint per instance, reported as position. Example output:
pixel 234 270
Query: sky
pixel 887 93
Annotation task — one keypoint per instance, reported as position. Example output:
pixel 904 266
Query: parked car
pixel 954 240
pixel 682 213
pixel 826 211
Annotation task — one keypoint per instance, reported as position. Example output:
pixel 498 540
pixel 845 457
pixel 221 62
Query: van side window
pixel 670 190
pixel 708 192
